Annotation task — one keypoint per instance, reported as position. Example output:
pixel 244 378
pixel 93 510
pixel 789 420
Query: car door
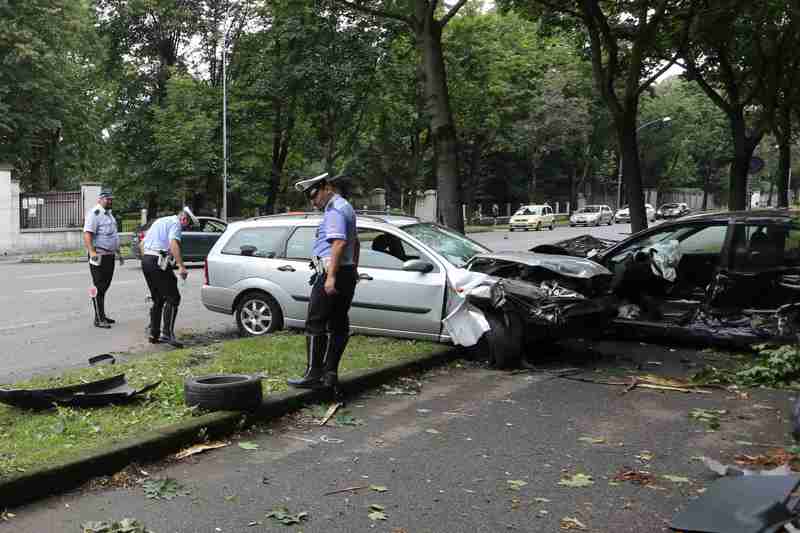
pixel 389 300
pixel 764 269
pixel 293 271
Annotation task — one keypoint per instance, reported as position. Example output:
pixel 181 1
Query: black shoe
pixel 153 339
pixel 109 320
pixel 172 341
pixel 102 324
pixel 331 382
pixel 316 347
pixel 168 333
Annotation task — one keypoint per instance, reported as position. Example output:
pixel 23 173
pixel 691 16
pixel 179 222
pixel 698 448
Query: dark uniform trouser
pixel 328 314
pixel 163 285
pixel 101 277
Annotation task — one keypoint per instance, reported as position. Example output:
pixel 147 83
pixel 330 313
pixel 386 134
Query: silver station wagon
pixel 259 271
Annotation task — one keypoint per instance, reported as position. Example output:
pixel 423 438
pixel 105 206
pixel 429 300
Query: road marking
pixel 25 325
pixel 46 291
pixel 57 274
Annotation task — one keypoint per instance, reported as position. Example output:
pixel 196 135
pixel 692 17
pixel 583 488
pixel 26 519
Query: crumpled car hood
pixel 564 265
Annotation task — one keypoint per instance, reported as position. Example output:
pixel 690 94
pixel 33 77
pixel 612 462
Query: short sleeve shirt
pixel 162 232
pixel 338 223
pixel 103 227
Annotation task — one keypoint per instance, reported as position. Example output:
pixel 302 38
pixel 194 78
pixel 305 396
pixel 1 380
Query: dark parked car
pixel 729 278
pixel 673 210
pixel 196 241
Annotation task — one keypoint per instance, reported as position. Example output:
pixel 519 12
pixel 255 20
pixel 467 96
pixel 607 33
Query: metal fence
pixel 50 210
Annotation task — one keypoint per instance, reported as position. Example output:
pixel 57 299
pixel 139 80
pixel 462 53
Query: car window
pixel 453 246
pixel 255 242
pixel 760 246
pixel 384 250
pixel 212 226
pixel 693 239
pixel 301 243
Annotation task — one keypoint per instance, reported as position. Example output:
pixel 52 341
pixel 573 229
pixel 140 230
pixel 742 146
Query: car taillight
pixel 205 271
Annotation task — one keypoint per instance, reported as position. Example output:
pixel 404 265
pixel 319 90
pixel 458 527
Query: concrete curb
pixel 160 443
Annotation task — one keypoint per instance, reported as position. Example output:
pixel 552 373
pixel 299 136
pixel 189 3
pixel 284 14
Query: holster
pixel 165 261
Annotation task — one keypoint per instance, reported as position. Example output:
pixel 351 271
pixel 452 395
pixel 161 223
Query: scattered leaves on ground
pixel 5 516
pixel 516 484
pixel 645 456
pixel 771 459
pixel 433 431
pixel 376 512
pixel 282 515
pixel 592 440
pixel 346 419
pixel 163 489
pixel 126 525
pixel 378 488
pixel 577 481
pixel 572 523
pixel 541 500
pixel 638 477
pixel 707 416
pixel 247 445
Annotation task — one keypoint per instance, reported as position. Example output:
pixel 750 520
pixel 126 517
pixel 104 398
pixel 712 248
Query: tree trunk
pixel 437 106
pixel 706 185
pixel 281 140
pixel 532 185
pixel 784 171
pixel 743 152
pixel 631 171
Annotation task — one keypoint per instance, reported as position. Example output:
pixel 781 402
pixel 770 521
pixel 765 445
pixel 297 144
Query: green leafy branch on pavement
pixel 31 439
pixel 771 366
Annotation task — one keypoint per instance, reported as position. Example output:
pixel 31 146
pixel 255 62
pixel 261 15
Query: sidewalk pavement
pixel 159 443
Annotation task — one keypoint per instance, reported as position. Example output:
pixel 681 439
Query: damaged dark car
pixel 729 278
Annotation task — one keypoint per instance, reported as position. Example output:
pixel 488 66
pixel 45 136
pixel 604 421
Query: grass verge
pixel 125 250
pixel 37 438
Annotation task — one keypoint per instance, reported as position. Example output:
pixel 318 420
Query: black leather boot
pixel 168 331
pixel 155 324
pixel 316 347
pixel 101 309
pixel 336 348
pixel 99 322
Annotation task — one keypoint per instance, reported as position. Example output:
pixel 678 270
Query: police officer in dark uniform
pixel 336 253
pixel 161 250
pixel 102 243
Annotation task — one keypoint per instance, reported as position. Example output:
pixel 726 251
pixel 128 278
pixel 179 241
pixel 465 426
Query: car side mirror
pixel 248 250
pixel 417 265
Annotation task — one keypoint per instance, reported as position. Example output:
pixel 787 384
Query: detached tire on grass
pixel 223 392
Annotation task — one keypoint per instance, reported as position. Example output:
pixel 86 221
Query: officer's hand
pixel 330 285
pixel 121 260
pixel 183 272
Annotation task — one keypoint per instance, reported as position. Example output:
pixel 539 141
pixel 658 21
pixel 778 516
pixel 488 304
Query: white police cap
pixel 307 186
pixel 191 216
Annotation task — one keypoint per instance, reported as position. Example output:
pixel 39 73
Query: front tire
pixel 258 314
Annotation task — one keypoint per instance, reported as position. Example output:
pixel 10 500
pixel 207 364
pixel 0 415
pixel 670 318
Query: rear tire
pixel 257 314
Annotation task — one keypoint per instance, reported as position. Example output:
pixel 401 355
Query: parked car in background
pixel 532 217
pixel 592 215
pixel 196 242
pixel 673 210
pixel 624 215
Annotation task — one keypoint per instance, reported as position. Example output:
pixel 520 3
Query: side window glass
pixel 255 242
pixel 384 250
pixel 791 254
pixel 210 226
pixel 762 246
pixel 301 243
pixel 708 240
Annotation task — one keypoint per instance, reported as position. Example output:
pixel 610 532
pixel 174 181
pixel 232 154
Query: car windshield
pixel 451 245
pixel 527 211
pixel 589 209
pixel 669 206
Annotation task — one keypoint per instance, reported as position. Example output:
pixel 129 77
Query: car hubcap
pixel 256 317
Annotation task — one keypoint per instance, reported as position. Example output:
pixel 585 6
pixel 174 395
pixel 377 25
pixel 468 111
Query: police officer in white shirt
pixel 161 249
pixel 102 242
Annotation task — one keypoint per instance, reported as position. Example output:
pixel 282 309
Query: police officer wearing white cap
pixel 102 243
pixel 336 253
pixel 161 249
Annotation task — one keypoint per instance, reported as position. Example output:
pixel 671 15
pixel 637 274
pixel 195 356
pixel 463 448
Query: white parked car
pixel 532 217
pixel 592 215
pixel 624 214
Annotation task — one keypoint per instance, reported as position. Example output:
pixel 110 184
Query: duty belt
pixel 321 264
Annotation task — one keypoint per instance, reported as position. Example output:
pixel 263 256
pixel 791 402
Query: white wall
pixel 13 241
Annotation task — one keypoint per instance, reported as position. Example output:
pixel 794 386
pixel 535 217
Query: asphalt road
pixel 45 322
pixel 461 449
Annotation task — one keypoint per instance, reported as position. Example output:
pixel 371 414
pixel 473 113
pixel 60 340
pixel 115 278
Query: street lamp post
pixel 224 133
pixel 662 120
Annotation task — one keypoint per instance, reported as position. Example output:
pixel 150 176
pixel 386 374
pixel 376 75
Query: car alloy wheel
pixel 257 314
